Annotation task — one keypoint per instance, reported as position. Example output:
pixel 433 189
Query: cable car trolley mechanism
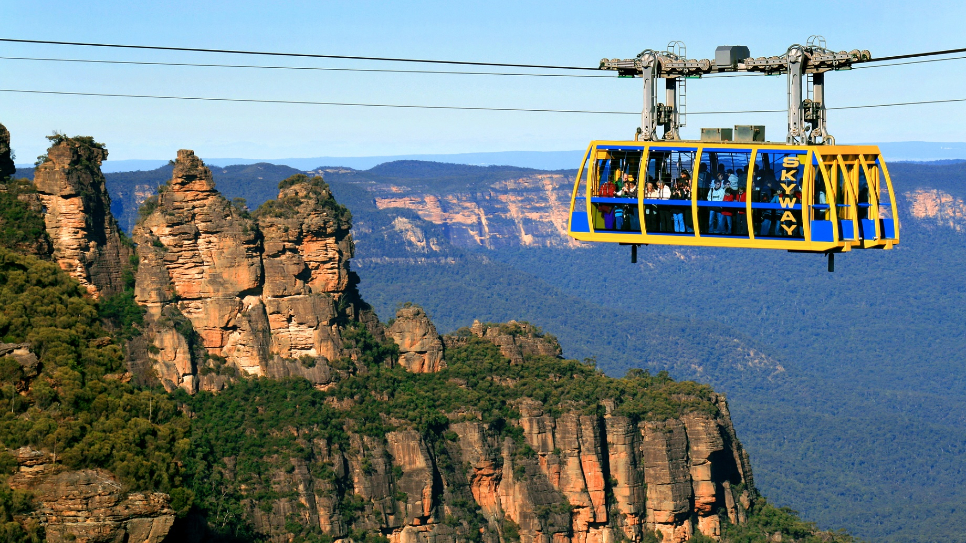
pixel 731 188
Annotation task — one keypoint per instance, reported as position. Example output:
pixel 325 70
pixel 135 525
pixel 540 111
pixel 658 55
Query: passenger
pixel 726 222
pixel 741 221
pixel 733 180
pixel 664 212
pixel 650 210
pixel 771 225
pixel 682 191
pixel 715 194
pixel 705 182
pixel 607 190
pixel 629 190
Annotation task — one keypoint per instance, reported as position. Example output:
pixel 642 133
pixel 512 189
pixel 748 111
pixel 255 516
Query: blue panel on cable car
pixel 578 222
pixel 822 231
pixel 847 229
pixel 888 229
pixel 867 228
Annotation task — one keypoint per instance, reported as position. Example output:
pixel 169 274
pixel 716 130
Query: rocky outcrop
pixel 24 364
pixel 7 167
pixel 420 347
pixel 583 475
pixel 86 240
pixel 228 291
pixel 89 505
pixel 516 340
pixel 937 208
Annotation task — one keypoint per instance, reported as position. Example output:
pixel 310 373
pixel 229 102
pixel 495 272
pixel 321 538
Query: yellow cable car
pixel 810 198
pixel 804 195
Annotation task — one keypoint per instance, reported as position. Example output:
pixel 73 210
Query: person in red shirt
pixel 726 213
pixel 607 190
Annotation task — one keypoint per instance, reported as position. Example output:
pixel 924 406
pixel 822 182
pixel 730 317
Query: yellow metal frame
pixel 831 160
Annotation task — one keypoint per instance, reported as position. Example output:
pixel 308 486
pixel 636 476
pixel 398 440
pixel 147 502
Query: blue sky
pixel 568 33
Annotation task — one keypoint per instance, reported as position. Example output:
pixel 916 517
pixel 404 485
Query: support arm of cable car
pixel 798 60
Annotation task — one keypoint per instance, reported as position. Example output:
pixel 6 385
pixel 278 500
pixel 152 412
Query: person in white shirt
pixel 664 215
pixel 716 194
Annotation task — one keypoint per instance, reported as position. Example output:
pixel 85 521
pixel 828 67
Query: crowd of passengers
pixel 727 186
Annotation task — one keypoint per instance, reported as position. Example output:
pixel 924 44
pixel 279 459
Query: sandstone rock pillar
pixel 86 239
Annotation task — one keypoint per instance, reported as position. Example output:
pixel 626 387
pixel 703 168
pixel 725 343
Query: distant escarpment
pixel 228 291
pixel 87 242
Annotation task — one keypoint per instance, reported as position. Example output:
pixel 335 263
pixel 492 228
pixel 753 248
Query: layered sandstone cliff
pixel 87 243
pixel 88 505
pixel 529 210
pixel 225 290
pixel 585 474
pixel 937 207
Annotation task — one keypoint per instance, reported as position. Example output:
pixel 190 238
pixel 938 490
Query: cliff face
pixel 937 207
pixel 89 505
pixel 572 476
pixel 229 291
pixel 86 240
pixel 526 211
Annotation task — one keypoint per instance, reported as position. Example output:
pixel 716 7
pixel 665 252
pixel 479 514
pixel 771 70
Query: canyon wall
pixel 529 210
pixel 88 505
pixel 229 291
pixel 86 240
pixel 581 475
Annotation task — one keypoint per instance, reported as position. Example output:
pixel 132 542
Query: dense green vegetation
pixel 76 407
pixel 21 228
pixel 766 520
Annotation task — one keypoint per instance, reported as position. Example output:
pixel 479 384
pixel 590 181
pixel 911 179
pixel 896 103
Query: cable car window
pixel 862 197
pixel 879 181
pixel 667 191
pixel 722 210
pixel 820 203
pixel 615 191
pixel 842 200
pixel 584 175
pixel 778 178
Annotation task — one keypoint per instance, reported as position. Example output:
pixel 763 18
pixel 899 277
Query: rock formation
pixel 937 207
pixel 515 339
pixel 263 293
pixel 89 505
pixel 420 347
pixel 574 477
pixel 7 167
pixel 86 240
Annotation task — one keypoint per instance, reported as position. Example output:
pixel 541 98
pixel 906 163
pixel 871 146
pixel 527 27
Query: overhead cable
pixel 389 59
pixel 917 55
pixel 303 55
pixel 146 63
pixel 461 108
pixel 905 63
